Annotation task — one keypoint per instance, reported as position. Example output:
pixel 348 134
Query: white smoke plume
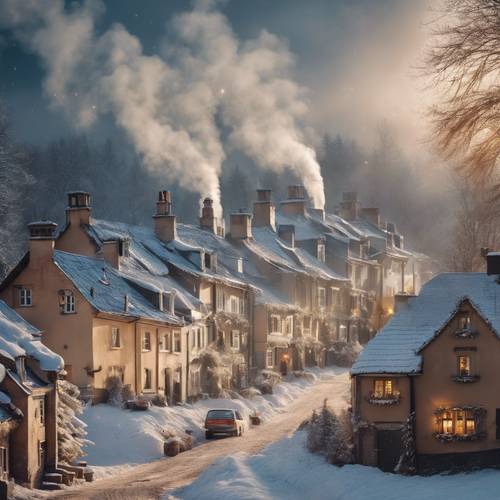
pixel 169 105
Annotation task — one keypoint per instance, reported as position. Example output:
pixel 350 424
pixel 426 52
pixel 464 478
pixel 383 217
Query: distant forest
pixel 34 180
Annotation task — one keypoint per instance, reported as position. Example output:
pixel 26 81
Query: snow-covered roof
pixel 150 253
pixel 105 288
pixel 20 338
pixel 395 349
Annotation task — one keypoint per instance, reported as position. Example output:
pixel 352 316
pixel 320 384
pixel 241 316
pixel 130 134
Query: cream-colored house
pixel 438 360
pixel 28 402
pixel 97 319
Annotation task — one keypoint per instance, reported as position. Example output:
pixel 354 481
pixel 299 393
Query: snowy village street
pixel 153 479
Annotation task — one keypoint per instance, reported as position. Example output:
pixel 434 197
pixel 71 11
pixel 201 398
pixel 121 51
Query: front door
pixel 389 449
pixel 177 386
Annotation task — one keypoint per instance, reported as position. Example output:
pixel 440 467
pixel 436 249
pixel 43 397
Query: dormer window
pixel 321 251
pixel 240 265
pixel 21 368
pixel 124 248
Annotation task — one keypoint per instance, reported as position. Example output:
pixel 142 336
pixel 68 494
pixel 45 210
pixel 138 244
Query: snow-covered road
pixel 153 479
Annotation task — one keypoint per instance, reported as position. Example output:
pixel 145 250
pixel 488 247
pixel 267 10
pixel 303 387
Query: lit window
pixel 457 422
pixel 147 379
pixel 146 341
pixel 25 297
pixel 177 341
pixel 383 388
pixel 115 338
pixel 464 365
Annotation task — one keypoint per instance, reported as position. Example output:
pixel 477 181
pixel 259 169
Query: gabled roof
pixel 395 349
pixel 20 338
pixel 105 288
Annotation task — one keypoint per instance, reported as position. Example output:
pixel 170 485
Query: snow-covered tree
pixel 407 461
pixel 331 435
pixel 13 182
pixel 71 430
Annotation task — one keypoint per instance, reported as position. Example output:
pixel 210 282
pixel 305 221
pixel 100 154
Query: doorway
pixel 389 449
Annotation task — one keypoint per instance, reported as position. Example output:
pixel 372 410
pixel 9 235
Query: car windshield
pixel 220 414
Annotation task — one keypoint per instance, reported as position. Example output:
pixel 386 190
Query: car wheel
pixel 208 435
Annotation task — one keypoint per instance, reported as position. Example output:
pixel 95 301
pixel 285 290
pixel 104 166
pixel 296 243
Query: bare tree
pixel 465 63
pixel 477 226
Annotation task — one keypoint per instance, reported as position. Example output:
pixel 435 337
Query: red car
pixel 224 421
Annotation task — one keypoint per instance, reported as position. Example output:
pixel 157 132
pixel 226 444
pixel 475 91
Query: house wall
pixel 113 361
pixel 65 334
pixel 435 387
pixel 26 438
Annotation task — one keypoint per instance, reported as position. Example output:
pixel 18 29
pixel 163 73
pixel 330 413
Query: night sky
pixel 334 41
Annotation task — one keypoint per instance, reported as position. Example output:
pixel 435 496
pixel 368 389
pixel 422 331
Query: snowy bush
pixel 331 435
pixel 114 388
pixel 310 377
pixel 266 380
pixel 160 400
pixel 215 373
pixel 344 353
pixel 71 430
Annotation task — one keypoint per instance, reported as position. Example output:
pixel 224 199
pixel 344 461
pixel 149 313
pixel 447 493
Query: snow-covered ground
pixel 285 470
pixel 124 438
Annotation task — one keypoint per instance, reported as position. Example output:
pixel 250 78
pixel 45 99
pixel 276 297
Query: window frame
pixel 270 353
pixel 25 296
pixel 235 340
pixel 116 335
pixel 69 304
pixel 146 341
pixel 176 341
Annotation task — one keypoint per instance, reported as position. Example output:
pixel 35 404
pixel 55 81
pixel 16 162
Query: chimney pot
pixel 240 225
pixel 493 263
pixel 165 221
pixel 264 194
pixel 42 230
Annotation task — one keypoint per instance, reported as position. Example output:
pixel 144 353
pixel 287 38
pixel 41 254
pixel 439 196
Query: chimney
pixel 164 220
pixel 42 238
pixel 350 207
pixel 208 220
pixel 264 211
pixel 401 301
pixel 240 225
pixel 287 233
pixel 319 213
pixel 296 202
pixel 78 210
pixel 493 263
pixel 371 215
pixel 391 227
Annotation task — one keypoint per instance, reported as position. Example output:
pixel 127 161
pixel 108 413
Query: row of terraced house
pixel 182 310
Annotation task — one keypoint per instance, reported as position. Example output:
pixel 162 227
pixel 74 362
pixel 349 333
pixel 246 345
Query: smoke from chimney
pixel 168 104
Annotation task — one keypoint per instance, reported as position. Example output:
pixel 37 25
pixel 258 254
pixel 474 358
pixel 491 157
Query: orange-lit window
pixel 383 388
pixel 464 322
pixel 458 422
pixel 464 365
pixel 447 423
